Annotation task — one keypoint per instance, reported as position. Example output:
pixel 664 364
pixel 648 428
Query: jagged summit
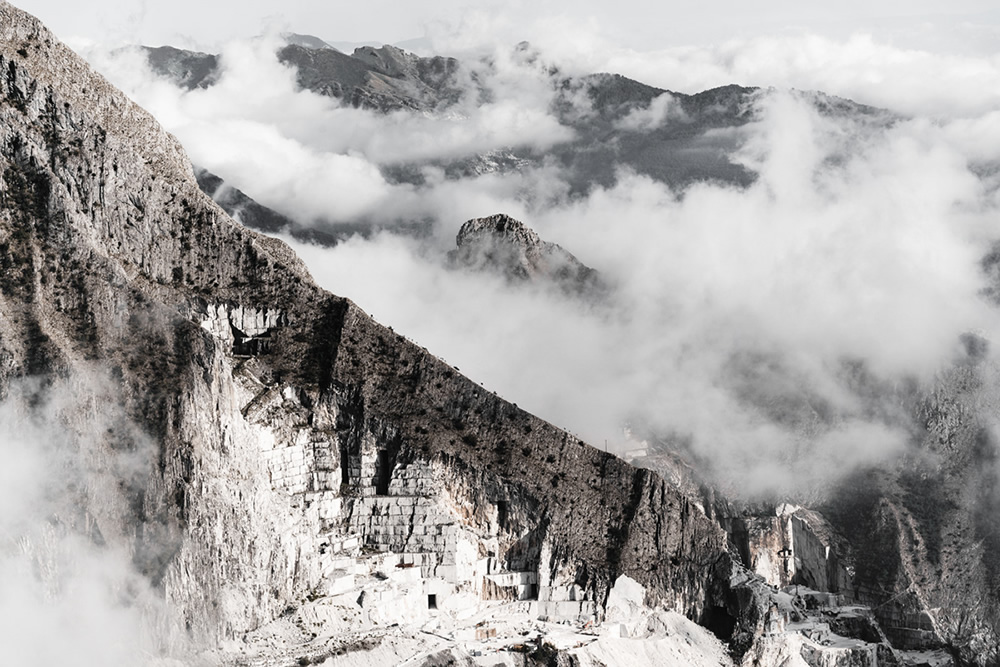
pixel 507 246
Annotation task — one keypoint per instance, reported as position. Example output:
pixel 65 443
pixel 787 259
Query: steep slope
pixel 924 535
pixel 914 540
pixel 289 428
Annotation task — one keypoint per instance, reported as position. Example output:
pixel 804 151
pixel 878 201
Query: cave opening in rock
pixel 432 601
pixel 383 472
pixel 720 622
pixel 502 513
pixel 245 345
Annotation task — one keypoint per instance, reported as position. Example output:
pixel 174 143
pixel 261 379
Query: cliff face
pixel 291 432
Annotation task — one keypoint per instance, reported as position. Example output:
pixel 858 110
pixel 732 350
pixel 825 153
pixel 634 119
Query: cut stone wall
pixel 793 546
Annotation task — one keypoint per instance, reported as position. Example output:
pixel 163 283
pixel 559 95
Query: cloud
pixel 739 314
pixel 919 69
pixel 314 160
pixel 749 326
pixel 909 81
pixel 644 119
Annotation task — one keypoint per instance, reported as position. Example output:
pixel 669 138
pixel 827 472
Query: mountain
pixel 912 541
pixel 188 69
pixel 508 247
pixel 307 41
pixel 385 78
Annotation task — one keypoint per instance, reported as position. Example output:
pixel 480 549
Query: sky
pixel 961 26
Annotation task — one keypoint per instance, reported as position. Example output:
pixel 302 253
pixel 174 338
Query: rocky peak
pixel 307 41
pixel 506 246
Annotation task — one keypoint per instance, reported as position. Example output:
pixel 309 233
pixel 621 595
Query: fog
pixel 967 26
pixel 768 331
pixel 69 593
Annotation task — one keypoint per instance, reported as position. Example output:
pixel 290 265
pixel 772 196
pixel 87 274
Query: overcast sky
pixel 956 25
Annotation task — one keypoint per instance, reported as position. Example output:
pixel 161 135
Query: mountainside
pixel 912 540
pixel 294 439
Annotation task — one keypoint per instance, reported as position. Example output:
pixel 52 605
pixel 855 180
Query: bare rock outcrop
pixel 508 247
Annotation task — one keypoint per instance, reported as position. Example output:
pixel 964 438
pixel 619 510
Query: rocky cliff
pixel 294 439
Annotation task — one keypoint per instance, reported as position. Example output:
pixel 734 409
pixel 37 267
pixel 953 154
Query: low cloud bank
pixel 315 160
pixel 932 75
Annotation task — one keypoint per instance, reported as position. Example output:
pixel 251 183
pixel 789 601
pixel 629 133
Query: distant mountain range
pixel 685 139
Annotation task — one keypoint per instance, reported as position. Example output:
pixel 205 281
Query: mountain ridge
pixel 673 138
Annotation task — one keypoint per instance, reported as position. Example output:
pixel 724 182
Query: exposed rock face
pixel 909 542
pixel 790 545
pixel 806 627
pixel 501 244
pixel 293 434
